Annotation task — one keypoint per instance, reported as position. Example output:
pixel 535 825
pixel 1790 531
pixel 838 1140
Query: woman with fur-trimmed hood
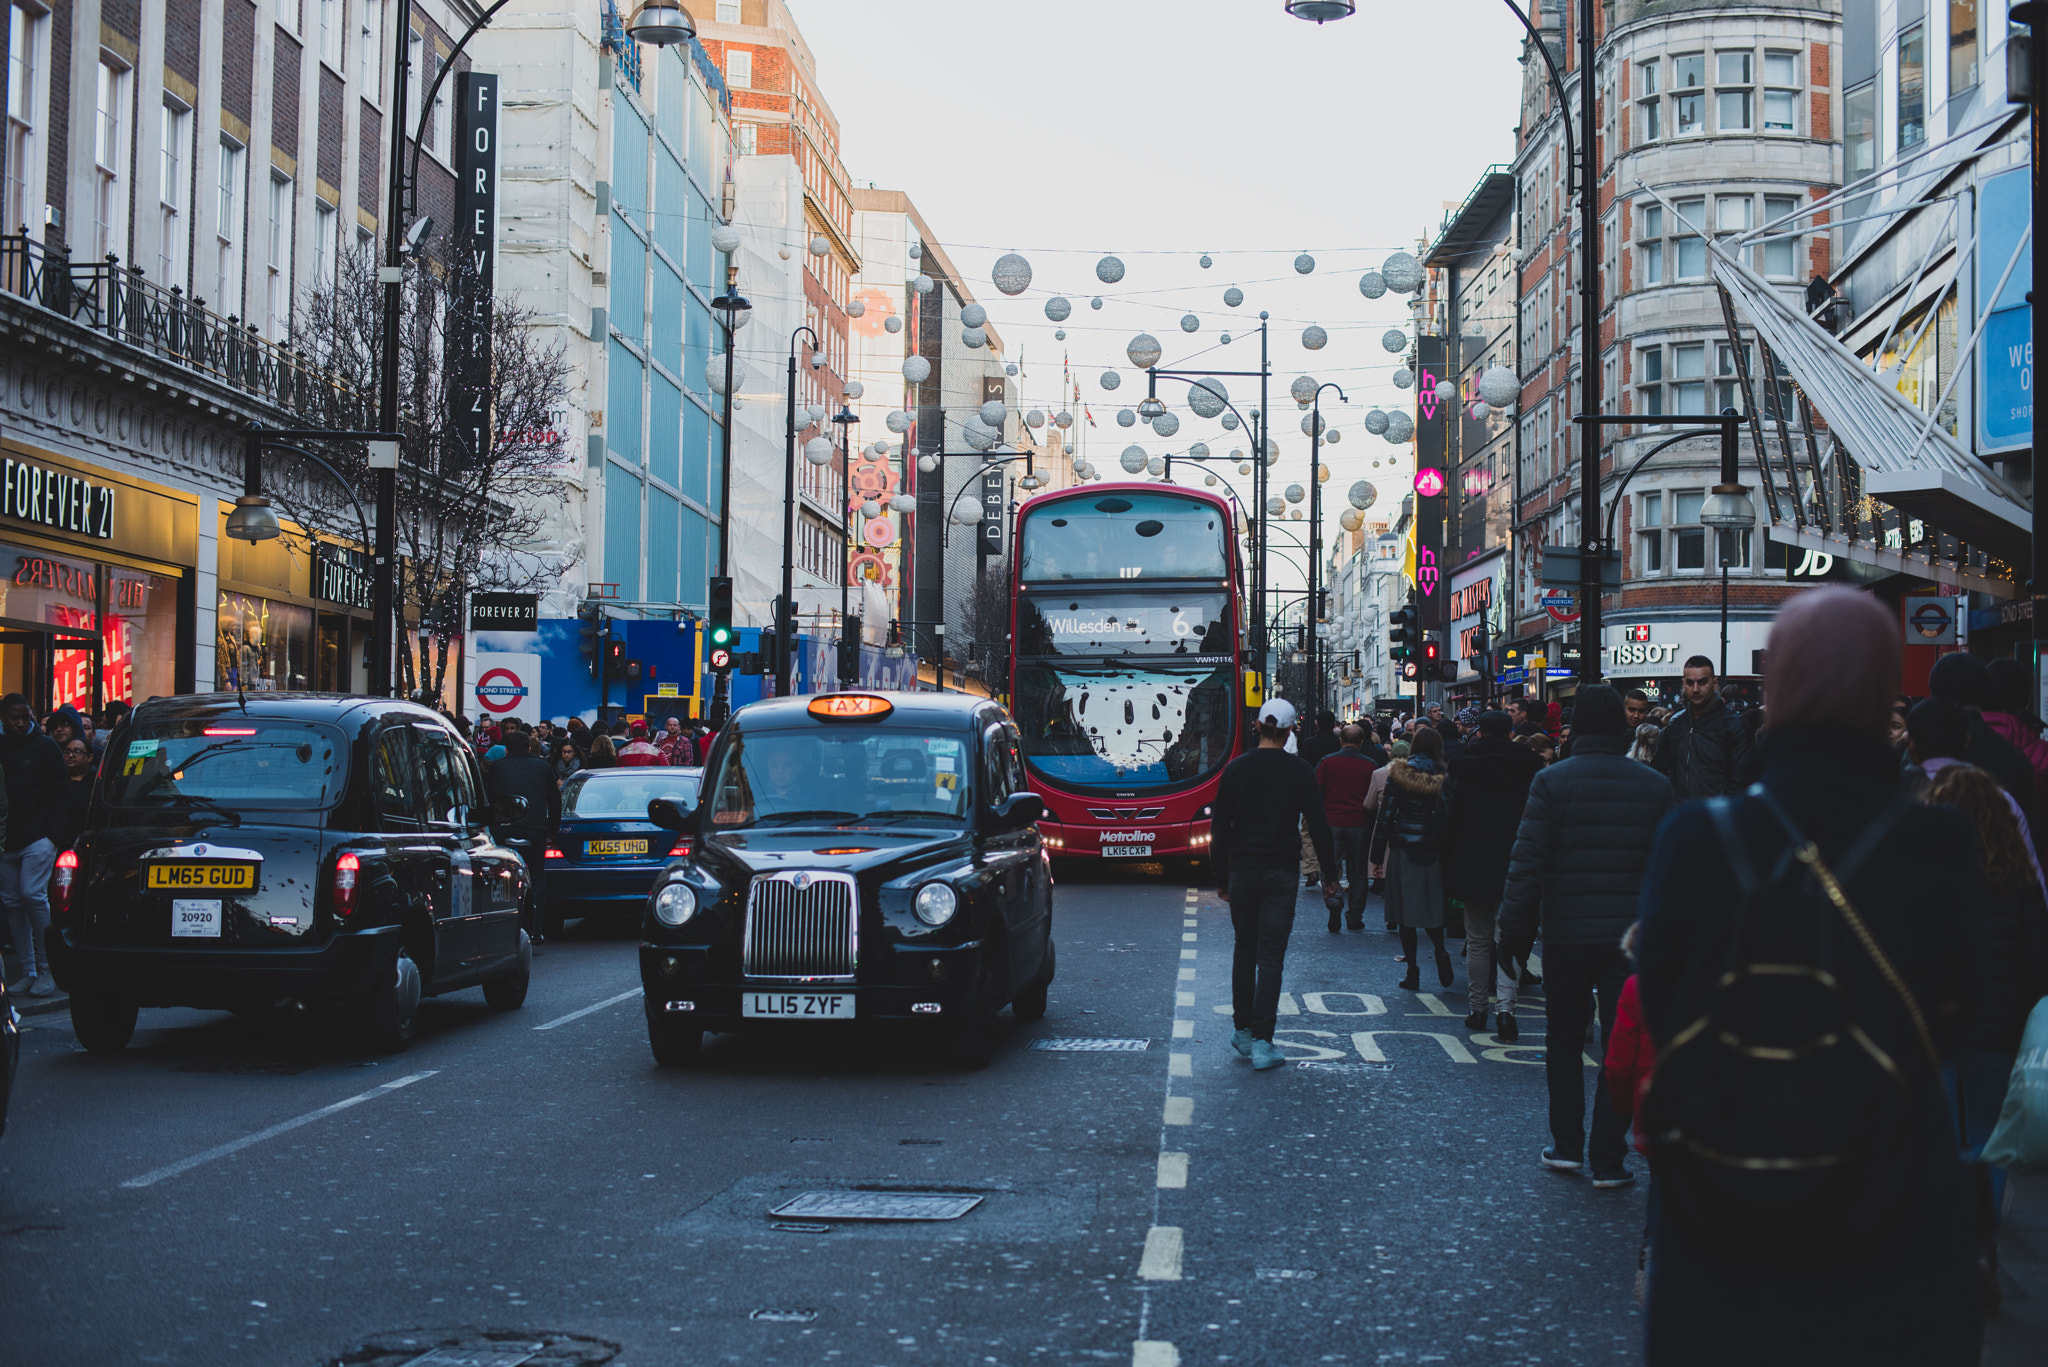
pixel 1409 837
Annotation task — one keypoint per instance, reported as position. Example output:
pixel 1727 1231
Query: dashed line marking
pixel 1173 1171
pixel 1187 954
pixel 1154 1353
pixel 596 1006
pixel 1187 975
pixel 150 1179
pixel 1180 1065
pixel 1180 1110
pixel 1187 935
pixel 1183 1029
pixel 1161 1262
pixel 1183 999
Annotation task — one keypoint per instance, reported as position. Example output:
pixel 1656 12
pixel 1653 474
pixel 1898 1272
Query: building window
pixel 1689 249
pixel 728 11
pixel 1652 105
pixel 227 276
pixel 415 83
pixel 26 33
pixel 278 292
pixel 1781 254
pixel 1732 96
pixel 1859 131
pixel 174 155
pixel 1912 86
pixel 330 33
pixel 1689 106
pixel 1962 46
pixel 370 50
pixel 324 244
pixel 1732 213
pixel 1689 379
pixel 739 68
pixel 1781 102
pixel 1688 538
pixel 110 154
pixel 745 135
pixel 1651 536
pixel 441 135
pixel 1650 375
pixel 1728 379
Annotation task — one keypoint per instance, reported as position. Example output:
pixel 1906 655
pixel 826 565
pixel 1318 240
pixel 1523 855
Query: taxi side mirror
pixel 668 813
pixel 1019 810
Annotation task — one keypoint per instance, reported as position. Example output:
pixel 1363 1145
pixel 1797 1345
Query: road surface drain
pixel 1092 1046
pixel 251 1067
pixel 876 1205
pixel 798 1227
pixel 472 1347
pixel 783 1316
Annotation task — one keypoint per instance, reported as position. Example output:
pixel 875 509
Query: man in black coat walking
pixel 1706 751
pixel 1578 865
pixel 523 775
pixel 1484 798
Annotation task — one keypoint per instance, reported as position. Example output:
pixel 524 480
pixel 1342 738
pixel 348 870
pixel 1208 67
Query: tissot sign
pixel 1659 650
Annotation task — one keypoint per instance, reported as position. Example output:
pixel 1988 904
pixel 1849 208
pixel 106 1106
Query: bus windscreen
pixel 1149 622
pixel 1128 537
pixel 1125 723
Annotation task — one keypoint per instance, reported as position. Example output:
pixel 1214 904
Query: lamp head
pixel 1151 408
pixel 1728 507
pixel 661 23
pixel 252 520
pixel 1321 11
pixel 845 416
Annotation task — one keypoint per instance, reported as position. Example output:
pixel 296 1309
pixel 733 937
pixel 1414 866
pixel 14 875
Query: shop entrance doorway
pixel 51 666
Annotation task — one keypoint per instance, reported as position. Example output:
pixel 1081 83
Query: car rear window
pixel 247 762
pixel 625 793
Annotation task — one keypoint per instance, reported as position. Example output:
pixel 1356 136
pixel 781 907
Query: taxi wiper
pixel 901 815
pixel 784 817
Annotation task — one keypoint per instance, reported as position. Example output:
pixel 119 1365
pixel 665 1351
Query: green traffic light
pixel 721 635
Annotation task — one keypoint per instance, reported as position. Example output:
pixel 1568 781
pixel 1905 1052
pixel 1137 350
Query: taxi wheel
pixel 103 1024
pixel 675 1046
pixel 1030 1003
pixel 975 1045
pixel 507 991
pixel 392 1012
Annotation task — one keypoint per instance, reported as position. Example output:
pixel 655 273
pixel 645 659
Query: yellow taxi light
pixel 850 707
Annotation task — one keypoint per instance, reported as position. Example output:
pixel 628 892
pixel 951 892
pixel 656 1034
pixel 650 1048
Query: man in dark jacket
pixel 524 775
pixel 34 772
pixel 1578 861
pixel 1343 779
pixel 1965 680
pixel 1262 801
pixel 69 822
pixel 1315 746
pixel 1706 751
pixel 1483 799
pixel 1525 717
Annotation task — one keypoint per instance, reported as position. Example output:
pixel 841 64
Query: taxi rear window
pixel 246 762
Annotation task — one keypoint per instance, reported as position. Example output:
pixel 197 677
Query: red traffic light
pixel 1431 648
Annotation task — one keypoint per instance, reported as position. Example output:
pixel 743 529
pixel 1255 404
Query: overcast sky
pixel 1158 130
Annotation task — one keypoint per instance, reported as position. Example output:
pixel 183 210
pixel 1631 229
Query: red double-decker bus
pixel 1126 666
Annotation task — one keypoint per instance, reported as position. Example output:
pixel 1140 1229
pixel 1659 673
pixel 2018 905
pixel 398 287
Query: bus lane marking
pixel 1180 1110
pixel 1173 1171
pixel 1161 1260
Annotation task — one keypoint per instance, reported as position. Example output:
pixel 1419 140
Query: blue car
pixel 605 857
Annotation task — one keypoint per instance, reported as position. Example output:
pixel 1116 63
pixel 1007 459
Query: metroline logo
pixel 1113 837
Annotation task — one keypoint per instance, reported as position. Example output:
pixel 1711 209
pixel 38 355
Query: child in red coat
pixel 1631 1056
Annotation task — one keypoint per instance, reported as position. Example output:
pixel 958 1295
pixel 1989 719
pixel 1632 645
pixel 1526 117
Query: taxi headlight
pixel 675 904
pixel 936 904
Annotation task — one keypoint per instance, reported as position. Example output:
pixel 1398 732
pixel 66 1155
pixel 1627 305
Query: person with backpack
pixel 1810 950
pixel 1408 837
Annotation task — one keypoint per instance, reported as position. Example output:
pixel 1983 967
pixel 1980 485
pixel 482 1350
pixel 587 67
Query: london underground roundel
pixel 499 690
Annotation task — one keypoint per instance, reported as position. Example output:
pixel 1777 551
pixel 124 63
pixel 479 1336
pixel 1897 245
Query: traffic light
pixel 1401 633
pixel 779 653
pixel 1432 655
pixel 614 658
pixel 593 630
pixel 849 650
pixel 718 624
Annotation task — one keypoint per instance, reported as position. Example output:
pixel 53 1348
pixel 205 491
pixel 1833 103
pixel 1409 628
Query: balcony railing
pixel 117 301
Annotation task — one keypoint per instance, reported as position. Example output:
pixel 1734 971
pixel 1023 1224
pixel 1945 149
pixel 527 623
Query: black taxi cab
pixel 328 849
pixel 857 860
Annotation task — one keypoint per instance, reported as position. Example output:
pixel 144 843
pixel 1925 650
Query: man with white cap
pixel 1261 801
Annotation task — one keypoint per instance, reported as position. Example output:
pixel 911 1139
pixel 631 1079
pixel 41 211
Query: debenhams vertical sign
pixel 56 498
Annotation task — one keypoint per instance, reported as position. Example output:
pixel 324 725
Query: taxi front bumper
pixel 910 984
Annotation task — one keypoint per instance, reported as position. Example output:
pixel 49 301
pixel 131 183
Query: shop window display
pixel 264 646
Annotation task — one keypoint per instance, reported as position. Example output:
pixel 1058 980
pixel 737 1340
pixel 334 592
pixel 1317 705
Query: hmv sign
pixel 474 267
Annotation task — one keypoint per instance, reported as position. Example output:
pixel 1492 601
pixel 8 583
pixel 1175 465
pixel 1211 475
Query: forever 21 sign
pixel 56 498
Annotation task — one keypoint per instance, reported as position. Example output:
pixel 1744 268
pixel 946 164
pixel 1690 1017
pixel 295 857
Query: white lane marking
pixel 578 1015
pixel 1319 1003
pixel 1161 1262
pixel 1187 954
pixel 1187 936
pixel 1187 975
pixel 150 1179
pixel 1154 1353
pixel 1367 1044
pixel 1180 1065
pixel 1287 1006
pixel 1173 1170
pixel 1183 999
pixel 1183 1029
pixel 1180 1110
pixel 1190 923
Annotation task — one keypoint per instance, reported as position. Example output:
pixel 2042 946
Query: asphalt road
pixel 257 1192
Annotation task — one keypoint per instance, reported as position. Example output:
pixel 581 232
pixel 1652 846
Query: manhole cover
pixel 251 1067
pixel 876 1205
pixel 1092 1046
pixel 474 1347
pixel 783 1316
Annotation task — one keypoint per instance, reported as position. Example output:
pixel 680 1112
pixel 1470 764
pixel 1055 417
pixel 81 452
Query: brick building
pixel 1732 113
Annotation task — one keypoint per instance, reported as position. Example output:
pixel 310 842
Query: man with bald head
pixel 1343 779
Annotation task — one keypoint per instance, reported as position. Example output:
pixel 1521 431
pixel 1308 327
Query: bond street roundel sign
pixel 499 691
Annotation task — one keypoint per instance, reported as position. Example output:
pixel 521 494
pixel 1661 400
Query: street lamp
pixel 661 23
pixel 1321 11
pixel 844 419
pixel 785 612
pixel 252 520
pixel 729 306
pixel 1730 513
pixel 1315 531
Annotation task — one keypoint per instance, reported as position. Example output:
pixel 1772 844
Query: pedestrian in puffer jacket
pixel 1578 863
pixel 1483 802
pixel 1706 751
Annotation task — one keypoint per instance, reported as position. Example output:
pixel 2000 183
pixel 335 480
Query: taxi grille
pixel 810 933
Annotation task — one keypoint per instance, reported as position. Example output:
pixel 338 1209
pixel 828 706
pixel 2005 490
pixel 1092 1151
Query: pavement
pixel 264 1192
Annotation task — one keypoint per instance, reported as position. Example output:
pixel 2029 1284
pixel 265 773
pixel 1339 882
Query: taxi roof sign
pixel 850 707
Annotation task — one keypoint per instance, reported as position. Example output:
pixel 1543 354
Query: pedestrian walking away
pixel 1577 868
pixel 1484 796
pixel 525 778
pixel 1408 835
pixel 1263 797
pixel 1344 779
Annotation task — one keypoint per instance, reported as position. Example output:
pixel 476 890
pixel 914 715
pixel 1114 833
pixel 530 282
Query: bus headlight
pixel 675 903
pixel 936 904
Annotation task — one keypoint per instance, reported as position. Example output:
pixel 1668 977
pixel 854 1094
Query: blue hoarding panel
pixel 2005 360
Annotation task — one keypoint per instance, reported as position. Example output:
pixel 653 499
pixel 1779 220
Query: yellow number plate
pixel 192 874
pixel 615 847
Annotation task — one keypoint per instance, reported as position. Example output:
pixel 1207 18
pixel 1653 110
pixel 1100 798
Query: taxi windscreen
pixel 623 794
pixel 838 774
pixel 250 762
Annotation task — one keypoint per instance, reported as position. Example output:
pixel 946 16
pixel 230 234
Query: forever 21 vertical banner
pixel 476 249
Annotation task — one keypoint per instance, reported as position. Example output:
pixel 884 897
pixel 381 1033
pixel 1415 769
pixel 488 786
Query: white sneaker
pixel 42 986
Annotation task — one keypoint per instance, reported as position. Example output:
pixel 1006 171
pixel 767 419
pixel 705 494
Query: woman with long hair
pixel 1408 837
pixel 567 761
pixel 603 754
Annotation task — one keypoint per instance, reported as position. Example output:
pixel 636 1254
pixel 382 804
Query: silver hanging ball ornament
pixel 1110 379
pixel 1395 340
pixel 897 421
pixel 1057 309
pixel 857 308
pixel 818 451
pixel 1225 339
pixel 783 252
pixel 1206 262
pixel 892 325
pixel 1376 422
pixel 1209 480
pixel 1063 420
pixel 1400 428
pixel 1206 397
pixel 1372 284
pixel 1190 323
pixel 1314 338
pixel 819 245
pixel 1109 270
pixel 1060 335
pixel 1126 418
pixel 1096 302
pixel 1500 386
pixel 915 250
pixel 904 503
pixel 1403 378
pixel 1036 417
pixel 1012 274
pixel 973 316
pixel 927 464
pixel 1332 436
pixel 1232 297
pixel 1276 506
pixel 993 412
pixel 1362 495
pixel 1156 466
pixel 1303 389
pixel 1446 391
pixel 972 338
pixel 1133 459
pixel 1310 422
pixel 1011 370
pixel 725 239
pixel 1304 263
pixel 1144 350
pixel 1165 425
pixel 1229 421
pixel 871 509
pixel 1245 468
pixel 1402 273
pixel 1295 493
pixel 923 284
pixel 916 369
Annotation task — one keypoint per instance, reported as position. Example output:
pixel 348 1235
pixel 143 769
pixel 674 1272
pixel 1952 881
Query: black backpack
pixel 1785 1123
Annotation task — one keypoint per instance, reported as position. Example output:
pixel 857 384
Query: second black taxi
pixel 857 859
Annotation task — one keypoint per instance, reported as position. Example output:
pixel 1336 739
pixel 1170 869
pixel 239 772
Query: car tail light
pixel 682 849
pixel 554 852
pixel 345 870
pixel 60 882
